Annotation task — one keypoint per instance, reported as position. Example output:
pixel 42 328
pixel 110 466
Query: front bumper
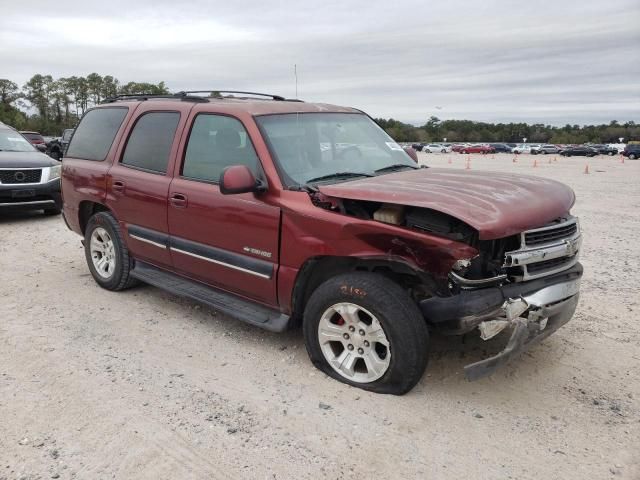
pixel 534 310
pixel 31 196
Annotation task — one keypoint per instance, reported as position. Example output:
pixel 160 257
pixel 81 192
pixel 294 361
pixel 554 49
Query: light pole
pixel 621 139
pixel 445 139
pixel 524 139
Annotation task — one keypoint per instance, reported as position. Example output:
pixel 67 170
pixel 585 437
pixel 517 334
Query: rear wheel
pixel 107 256
pixel 632 156
pixel 364 330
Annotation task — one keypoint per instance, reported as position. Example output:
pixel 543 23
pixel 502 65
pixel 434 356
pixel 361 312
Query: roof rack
pixel 188 96
pixel 220 92
pixel 147 96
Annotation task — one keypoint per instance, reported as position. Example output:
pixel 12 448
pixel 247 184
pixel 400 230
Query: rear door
pixel 227 241
pixel 138 182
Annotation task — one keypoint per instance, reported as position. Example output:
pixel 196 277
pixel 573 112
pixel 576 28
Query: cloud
pixel 543 61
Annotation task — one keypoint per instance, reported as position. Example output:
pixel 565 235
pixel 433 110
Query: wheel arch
pixel 315 271
pixel 86 210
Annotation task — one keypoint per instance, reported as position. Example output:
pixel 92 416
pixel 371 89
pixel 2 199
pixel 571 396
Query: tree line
pixel 56 104
pixel 49 105
pixel 436 130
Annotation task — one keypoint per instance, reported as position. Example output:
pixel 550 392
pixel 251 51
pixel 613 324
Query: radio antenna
pixel 295 73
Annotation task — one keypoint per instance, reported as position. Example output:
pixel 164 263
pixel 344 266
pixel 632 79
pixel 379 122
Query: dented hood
pixel 495 204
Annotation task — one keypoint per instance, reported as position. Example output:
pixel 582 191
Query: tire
pixel 370 302
pixel 610 154
pixel 632 156
pixel 117 276
pixel 543 152
pixel 55 154
pixel 444 150
pixel 427 150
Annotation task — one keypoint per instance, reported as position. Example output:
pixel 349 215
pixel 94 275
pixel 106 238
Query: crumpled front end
pixel 536 293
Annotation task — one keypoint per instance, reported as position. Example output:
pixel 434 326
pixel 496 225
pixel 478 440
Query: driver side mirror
pixel 239 179
pixel 412 153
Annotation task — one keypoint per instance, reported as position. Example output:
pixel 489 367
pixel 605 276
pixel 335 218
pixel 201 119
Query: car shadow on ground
pixel 24 217
pixel 447 354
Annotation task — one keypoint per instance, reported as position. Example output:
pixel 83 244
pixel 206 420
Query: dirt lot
pixel 142 384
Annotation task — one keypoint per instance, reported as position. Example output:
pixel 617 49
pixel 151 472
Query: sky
pixel 552 62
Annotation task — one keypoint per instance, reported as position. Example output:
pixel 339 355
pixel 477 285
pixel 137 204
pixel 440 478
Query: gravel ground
pixel 142 384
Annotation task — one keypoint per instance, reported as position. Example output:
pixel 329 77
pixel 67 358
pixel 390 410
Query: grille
pixel 549 235
pixel 539 267
pixel 20 176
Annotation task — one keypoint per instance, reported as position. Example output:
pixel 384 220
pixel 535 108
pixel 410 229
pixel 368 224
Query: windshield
pixel 330 147
pixel 11 141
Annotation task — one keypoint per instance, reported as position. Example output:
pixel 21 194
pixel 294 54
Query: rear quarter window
pixel 95 133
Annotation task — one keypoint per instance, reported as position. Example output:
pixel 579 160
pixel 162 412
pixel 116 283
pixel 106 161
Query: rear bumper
pixel 533 310
pixel 31 196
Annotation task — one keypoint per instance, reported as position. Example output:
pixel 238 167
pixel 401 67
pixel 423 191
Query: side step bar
pixel 227 303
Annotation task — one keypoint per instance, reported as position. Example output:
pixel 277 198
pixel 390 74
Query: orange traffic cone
pixel 555 159
pixel 535 163
pixel 449 162
pixel 468 167
pixel 621 158
pixel 549 160
pixel 586 168
pixel 514 160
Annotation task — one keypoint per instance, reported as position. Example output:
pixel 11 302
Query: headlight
pixel 54 172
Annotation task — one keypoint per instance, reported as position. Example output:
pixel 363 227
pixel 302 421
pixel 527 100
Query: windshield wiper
pixel 339 175
pixel 394 167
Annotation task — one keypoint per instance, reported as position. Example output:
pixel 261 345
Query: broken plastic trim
pixel 483 282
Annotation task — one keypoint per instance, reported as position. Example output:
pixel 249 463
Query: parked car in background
pixel 36 140
pixel 579 150
pixel 632 151
pixel 501 147
pixel 544 149
pixel 604 150
pixel 484 149
pixel 236 203
pixel 29 180
pixel 524 148
pixel 417 146
pixel 435 147
pixel 457 147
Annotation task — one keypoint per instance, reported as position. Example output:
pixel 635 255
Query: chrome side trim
pixel 145 240
pixel 217 262
pixel 35 202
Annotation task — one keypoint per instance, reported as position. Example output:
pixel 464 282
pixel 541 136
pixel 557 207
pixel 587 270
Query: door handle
pixel 178 200
pixel 118 186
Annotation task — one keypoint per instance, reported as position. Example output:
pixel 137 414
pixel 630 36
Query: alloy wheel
pixel 354 343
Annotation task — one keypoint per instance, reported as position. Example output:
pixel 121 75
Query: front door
pixel 227 241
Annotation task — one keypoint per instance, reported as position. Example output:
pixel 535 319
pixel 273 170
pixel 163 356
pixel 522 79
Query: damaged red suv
pixel 282 213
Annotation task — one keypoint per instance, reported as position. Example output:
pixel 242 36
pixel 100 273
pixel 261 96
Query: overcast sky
pixel 560 61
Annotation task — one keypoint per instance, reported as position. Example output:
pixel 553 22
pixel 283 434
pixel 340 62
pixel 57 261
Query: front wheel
pixel 364 330
pixel 632 156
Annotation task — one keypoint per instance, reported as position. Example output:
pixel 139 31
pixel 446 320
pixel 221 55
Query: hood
pixel 495 204
pixel 25 160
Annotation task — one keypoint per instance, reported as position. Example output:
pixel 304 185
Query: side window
pixel 150 141
pixel 216 142
pixel 95 134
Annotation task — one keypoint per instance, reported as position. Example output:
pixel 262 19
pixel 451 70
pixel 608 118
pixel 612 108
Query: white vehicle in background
pixel 524 148
pixel 618 146
pixel 435 147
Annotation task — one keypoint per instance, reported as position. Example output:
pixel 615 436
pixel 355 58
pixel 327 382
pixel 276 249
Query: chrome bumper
pixel 532 317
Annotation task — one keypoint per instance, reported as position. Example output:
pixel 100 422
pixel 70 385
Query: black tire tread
pixel 387 299
pixel 125 263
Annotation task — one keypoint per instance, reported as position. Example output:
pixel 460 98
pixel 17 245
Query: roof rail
pixel 220 92
pixel 147 96
pixel 187 96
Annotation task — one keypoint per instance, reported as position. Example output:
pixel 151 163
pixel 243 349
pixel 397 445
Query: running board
pixel 227 303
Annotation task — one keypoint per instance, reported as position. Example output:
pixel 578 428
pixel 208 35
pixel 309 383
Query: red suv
pixel 280 213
